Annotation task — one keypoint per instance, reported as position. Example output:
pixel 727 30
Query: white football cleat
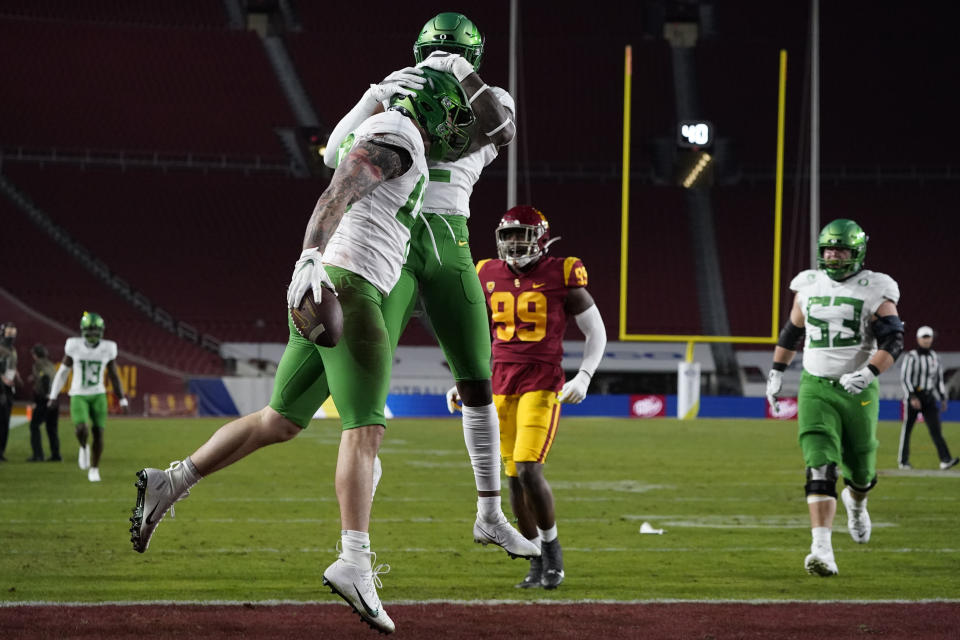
pixel 93 474
pixel 820 561
pixel 156 495
pixel 358 587
pixel 858 520
pixel 83 457
pixel 504 535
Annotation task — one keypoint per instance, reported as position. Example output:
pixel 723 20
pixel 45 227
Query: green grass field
pixel 728 493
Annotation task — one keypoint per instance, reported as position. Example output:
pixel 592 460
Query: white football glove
pixel 774 386
pixel 454 403
pixel 123 403
pixel 450 62
pixel 574 391
pixel 308 274
pixel 857 381
pixel 402 81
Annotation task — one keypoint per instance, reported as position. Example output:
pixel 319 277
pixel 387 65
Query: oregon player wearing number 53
pixel 847 317
pixel 530 296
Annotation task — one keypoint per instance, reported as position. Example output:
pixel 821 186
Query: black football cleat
pixel 552 556
pixel 532 579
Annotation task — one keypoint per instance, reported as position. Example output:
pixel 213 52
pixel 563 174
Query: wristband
pixel 779 366
pixel 502 125
pixel 479 91
pixel 873 369
pixel 589 375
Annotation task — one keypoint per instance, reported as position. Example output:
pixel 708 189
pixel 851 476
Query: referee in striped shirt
pixel 924 392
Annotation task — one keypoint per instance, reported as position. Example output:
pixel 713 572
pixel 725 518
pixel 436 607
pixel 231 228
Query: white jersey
pixel 89 365
pixel 838 316
pixel 451 183
pixel 373 237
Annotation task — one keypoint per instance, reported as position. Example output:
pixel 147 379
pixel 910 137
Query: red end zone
pixel 927 620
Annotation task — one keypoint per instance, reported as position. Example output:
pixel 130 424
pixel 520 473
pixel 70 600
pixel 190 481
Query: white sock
pixel 481 433
pixel 821 536
pixel 184 475
pixel 356 547
pixel 489 509
pixel 548 535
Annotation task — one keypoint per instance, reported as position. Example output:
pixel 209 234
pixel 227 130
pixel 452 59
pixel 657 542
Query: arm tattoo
pixel 363 169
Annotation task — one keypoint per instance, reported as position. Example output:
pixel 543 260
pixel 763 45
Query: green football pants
pixel 838 427
pixel 451 292
pixel 356 372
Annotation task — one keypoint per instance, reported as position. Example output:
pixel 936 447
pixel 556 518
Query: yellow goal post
pixel 625 226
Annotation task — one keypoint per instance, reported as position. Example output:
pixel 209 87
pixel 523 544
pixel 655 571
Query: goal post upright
pixel 777 227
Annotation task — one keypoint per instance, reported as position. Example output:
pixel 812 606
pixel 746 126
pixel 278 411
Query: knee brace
pixel 850 484
pixel 822 480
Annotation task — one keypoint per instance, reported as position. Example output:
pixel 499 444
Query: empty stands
pixel 55 284
pixel 79 85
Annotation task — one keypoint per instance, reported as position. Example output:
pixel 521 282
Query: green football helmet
pixel 842 234
pixel 92 327
pixel 451 32
pixel 443 111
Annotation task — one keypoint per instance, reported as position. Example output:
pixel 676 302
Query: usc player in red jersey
pixel 530 296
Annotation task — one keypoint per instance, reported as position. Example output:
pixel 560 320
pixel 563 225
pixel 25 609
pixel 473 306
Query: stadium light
pixel 697 171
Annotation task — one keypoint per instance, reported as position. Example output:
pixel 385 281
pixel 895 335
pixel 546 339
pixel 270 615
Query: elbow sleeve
pixel 889 333
pixel 790 336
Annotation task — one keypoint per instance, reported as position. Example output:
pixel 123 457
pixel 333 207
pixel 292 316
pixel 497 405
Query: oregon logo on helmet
pixel 441 108
pixel 451 32
pixel 842 234
pixel 92 327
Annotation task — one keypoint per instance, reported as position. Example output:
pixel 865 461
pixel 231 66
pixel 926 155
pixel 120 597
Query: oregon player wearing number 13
pixel 89 357
pixel 847 316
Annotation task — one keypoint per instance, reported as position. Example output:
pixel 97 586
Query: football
pixel 321 323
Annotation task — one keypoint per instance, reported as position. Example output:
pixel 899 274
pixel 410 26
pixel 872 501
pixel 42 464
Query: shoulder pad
pixel 481 264
pixel 886 285
pixel 574 273
pixel 804 279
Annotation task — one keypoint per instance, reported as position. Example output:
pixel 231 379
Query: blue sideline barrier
pixel 214 399
pixel 618 406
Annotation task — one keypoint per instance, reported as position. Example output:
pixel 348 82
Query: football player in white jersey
pixel 847 318
pixel 439 267
pixel 354 243
pixel 89 357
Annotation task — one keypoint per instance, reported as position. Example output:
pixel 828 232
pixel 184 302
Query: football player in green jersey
pixel 439 268
pixel 847 318
pixel 354 244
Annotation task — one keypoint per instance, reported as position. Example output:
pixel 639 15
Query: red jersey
pixel 529 320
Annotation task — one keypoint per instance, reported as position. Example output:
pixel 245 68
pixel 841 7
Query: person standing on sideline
pixel 531 296
pixel 921 375
pixel 8 380
pixel 354 245
pixel 44 411
pixel 847 318
pixel 89 357
pixel 439 268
